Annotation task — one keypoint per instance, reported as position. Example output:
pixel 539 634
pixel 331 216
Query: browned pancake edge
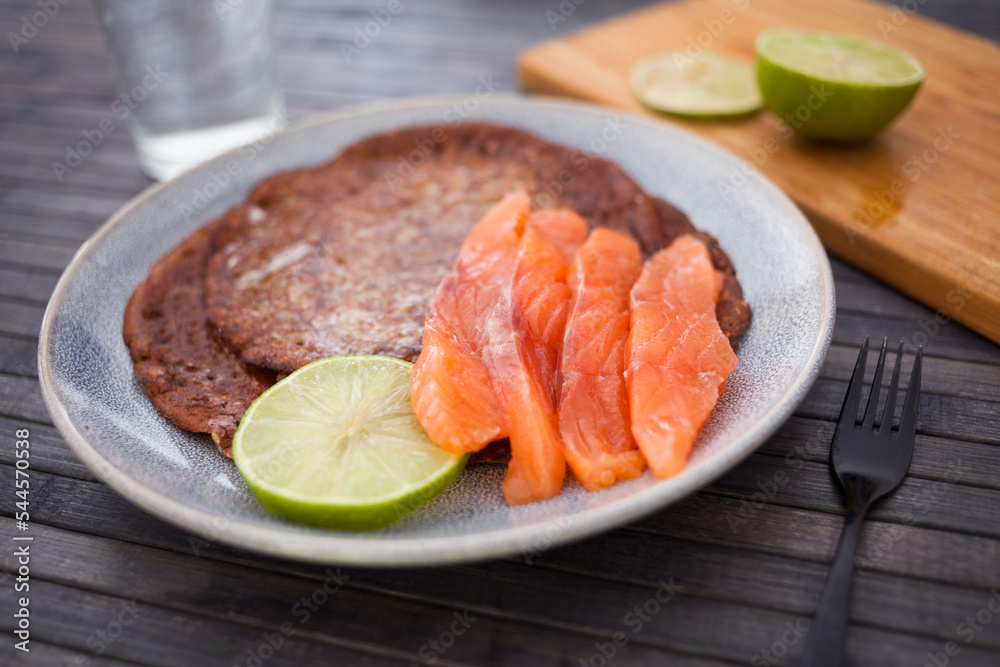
pixel 192 378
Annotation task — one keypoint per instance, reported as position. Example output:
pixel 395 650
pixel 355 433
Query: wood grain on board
pixel 918 207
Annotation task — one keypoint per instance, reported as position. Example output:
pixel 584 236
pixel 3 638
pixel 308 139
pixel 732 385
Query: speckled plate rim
pixel 335 549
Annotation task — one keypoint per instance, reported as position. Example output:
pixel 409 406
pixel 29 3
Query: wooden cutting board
pixel 918 207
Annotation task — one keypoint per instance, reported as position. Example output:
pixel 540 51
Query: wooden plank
pixel 70 13
pixel 86 90
pixel 864 648
pixel 26 285
pixel 42 211
pixel 96 175
pixel 951 340
pixel 49 452
pixel 842 271
pixel 720 572
pixel 754 523
pixel 67 192
pixel 69 40
pixel 72 617
pixel 533 597
pixel 347 616
pixel 934 458
pixel 866 307
pixel 86 86
pixel 20 318
pixel 920 502
pixel 31 131
pixel 963 379
pixel 24 202
pixel 21 398
pixel 45 654
pixel 906 245
pixel 881 601
pixel 888 548
pixel 26 111
pixel 42 154
pixel 871 297
pixel 944 416
pixel 50 256
pixel 18 356
pixel 112 160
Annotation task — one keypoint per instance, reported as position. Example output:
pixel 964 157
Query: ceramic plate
pixel 99 407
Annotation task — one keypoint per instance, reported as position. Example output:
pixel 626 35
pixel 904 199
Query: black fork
pixel 869 463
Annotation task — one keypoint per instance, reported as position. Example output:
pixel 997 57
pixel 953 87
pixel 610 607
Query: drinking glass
pixel 195 79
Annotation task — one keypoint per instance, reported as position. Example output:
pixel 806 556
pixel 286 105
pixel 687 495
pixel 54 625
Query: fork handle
pixel 825 641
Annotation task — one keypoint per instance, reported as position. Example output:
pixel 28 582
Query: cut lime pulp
pixel 707 86
pixel 337 444
pixel 834 87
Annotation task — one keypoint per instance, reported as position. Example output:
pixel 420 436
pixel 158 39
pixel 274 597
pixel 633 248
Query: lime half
pixel 834 87
pixel 707 86
pixel 337 444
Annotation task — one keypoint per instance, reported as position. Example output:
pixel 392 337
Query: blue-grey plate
pixel 99 407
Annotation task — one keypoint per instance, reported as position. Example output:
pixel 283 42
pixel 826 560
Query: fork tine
pixel 908 422
pixel 890 399
pixel 876 390
pixel 849 412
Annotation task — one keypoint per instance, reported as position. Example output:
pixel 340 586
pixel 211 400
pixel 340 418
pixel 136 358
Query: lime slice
pixel 834 87
pixel 708 86
pixel 337 444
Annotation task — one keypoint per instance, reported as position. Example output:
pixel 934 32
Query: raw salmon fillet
pixel 593 411
pixel 452 390
pixel 525 337
pixel 677 358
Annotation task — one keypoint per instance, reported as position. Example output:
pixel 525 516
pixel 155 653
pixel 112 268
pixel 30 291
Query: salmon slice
pixel 525 336
pixel 677 357
pixel 593 411
pixel 452 391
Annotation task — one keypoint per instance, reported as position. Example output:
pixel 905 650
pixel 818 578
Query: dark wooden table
pixel 111 585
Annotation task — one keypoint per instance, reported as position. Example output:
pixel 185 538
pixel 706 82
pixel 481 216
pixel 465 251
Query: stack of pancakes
pixel 345 258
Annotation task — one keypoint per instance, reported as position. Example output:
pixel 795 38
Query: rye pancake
pixel 310 279
pixel 194 379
